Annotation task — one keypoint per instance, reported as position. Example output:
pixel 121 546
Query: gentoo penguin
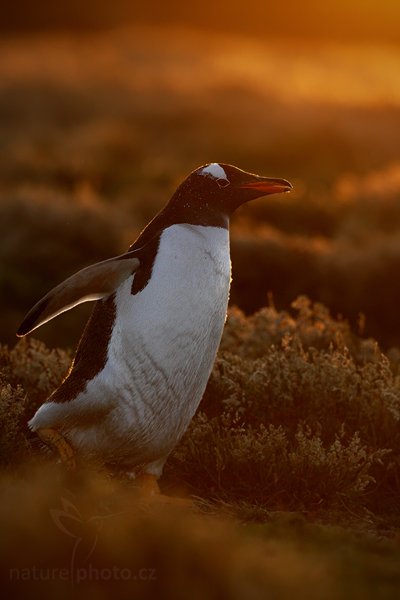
pixel 147 351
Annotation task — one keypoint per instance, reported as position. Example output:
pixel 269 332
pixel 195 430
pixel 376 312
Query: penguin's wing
pixel 92 283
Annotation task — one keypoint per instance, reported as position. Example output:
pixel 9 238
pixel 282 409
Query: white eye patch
pixel 216 172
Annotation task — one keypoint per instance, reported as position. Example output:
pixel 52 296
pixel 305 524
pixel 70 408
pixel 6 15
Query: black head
pixel 217 190
pixel 209 196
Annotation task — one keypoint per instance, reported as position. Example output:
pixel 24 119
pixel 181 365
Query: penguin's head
pixel 223 188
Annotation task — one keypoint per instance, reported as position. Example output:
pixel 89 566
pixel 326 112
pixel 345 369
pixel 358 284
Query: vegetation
pixel 298 429
pixel 298 414
pixel 293 457
pixel 94 153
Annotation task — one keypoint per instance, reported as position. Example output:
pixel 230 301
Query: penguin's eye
pixel 222 183
pixel 217 173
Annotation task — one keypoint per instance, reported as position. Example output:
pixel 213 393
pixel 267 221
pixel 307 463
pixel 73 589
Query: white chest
pixel 165 338
pixel 191 274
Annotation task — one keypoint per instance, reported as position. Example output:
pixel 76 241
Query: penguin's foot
pixel 147 485
pixel 57 442
pixel 148 490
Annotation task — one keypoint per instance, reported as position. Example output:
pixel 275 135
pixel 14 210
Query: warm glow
pixel 293 458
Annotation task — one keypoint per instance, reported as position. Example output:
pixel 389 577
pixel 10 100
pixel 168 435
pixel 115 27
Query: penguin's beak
pixel 267 185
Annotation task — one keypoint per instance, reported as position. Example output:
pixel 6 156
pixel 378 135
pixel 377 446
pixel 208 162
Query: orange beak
pixel 268 185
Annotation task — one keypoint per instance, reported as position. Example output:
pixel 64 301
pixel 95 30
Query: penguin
pixel 147 351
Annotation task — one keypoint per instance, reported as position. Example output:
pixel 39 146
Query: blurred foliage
pixel 95 540
pixel 310 18
pixel 97 131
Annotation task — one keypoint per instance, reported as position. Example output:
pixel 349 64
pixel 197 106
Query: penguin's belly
pixel 162 347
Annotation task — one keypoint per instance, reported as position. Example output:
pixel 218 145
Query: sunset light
pixel 216 187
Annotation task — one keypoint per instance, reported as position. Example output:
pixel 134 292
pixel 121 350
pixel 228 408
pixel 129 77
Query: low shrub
pixel 298 412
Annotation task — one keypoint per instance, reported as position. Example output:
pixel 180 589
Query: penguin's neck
pixel 178 211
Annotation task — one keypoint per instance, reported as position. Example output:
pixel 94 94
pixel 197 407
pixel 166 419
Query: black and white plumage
pixel 146 354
